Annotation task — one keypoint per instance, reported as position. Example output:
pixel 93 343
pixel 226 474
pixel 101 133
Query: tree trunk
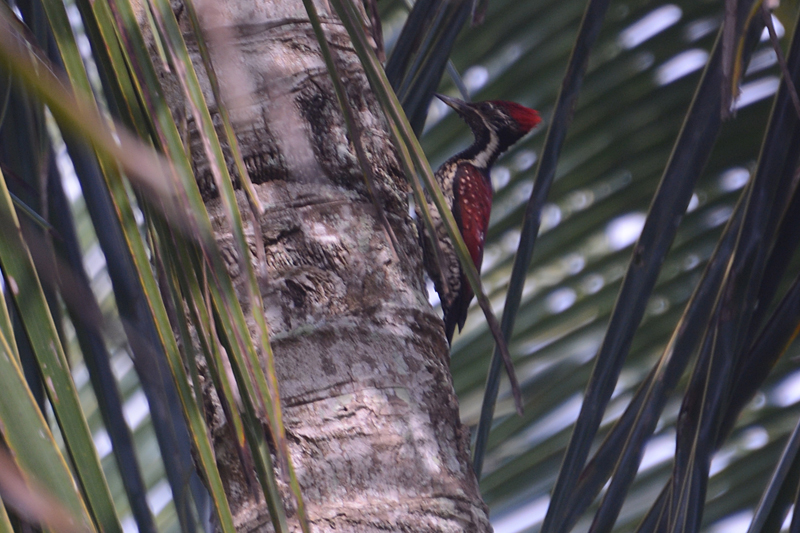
pixel 369 407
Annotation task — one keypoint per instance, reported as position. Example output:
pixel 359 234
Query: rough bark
pixel 369 407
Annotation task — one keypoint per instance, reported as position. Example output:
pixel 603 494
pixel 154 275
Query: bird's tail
pixel 456 312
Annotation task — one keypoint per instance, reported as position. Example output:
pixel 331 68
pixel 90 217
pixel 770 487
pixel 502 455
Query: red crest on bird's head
pixel 526 117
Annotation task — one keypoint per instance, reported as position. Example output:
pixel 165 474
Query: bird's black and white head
pixel 496 125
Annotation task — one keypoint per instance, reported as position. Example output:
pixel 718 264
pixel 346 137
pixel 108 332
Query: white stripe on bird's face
pixel 481 159
pixel 485 157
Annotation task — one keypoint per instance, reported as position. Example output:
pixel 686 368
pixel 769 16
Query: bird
pixel 467 187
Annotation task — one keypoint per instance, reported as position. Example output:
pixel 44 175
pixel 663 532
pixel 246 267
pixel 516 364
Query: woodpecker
pixel 467 187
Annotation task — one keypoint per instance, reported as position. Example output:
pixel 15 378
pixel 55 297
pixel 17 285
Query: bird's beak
pixel 459 105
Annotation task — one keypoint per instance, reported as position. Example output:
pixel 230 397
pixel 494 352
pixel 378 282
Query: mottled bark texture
pixel 369 408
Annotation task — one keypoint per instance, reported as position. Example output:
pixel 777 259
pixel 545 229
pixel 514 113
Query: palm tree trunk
pixel 369 407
